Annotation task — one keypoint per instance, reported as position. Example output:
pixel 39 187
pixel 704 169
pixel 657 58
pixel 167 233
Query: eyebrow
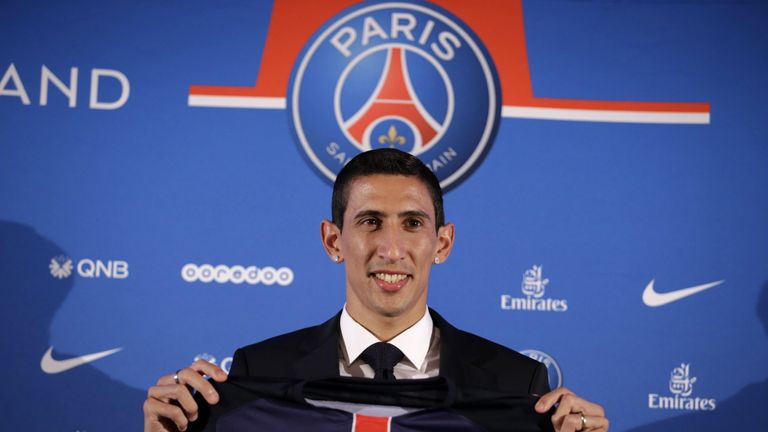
pixel 414 213
pixel 368 213
pixel 403 215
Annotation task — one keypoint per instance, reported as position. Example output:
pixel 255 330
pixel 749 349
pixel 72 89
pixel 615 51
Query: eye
pixel 414 223
pixel 370 222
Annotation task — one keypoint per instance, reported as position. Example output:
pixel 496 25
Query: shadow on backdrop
pixel 744 411
pixel 79 399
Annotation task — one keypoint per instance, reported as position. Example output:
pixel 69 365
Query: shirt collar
pixel 413 342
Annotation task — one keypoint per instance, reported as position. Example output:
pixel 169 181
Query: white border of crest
pixel 492 96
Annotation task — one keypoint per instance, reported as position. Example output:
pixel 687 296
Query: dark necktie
pixel 382 357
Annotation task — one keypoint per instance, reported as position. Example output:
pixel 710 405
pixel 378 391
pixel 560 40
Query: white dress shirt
pixel 420 344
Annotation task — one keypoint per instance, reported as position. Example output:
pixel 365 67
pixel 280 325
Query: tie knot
pixel 382 357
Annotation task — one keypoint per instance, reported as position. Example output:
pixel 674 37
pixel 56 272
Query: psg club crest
pixel 398 75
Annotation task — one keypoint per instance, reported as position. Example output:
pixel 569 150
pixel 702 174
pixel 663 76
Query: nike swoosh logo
pixel 50 365
pixel 654 299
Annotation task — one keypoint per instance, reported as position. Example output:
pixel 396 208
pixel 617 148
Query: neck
pixel 386 328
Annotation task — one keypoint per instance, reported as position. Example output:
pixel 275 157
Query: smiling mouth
pixel 390 281
pixel 390 277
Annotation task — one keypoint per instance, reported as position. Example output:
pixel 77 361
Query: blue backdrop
pixel 153 199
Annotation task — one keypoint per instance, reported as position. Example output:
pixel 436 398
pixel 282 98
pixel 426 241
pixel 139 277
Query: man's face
pixel 388 244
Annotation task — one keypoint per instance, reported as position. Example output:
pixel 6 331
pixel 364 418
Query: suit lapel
pixel 320 352
pixel 460 362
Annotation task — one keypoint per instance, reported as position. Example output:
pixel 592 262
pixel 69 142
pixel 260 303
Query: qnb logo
pixel 225 364
pixel 554 373
pixel 61 267
pixel 395 75
pixel 681 389
pixel 533 286
pixel 237 274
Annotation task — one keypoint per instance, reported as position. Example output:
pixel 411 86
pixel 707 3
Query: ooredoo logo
pixel 395 75
pixel 237 274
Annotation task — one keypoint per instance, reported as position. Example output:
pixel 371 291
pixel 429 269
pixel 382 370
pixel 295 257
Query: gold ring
pixel 583 421
pixel 176 377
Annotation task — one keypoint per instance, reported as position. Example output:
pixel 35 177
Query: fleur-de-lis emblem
pixel 392 138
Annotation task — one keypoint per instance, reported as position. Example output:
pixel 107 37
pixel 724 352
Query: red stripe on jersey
pixel 364 423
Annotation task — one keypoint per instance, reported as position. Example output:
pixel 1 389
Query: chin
pixel 393 311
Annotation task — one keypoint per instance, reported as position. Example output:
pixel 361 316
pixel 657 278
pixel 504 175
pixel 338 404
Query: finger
pixel 564 409
pixel 166 380
pixel 210 369
pixel 155 411
pixel 192 378
pixel 177 393
pixel 201 366
pixel 550 399
pixel 568 416
pixel 594 423
pixel 581 405
pixel 590 408
pixel 571 423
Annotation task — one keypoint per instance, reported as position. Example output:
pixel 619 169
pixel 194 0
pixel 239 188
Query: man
pixel 388 229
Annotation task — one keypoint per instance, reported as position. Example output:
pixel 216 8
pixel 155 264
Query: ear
pixel 329 235
pixel 445 237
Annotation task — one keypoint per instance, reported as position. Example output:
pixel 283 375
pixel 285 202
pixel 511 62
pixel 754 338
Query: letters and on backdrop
pixel 164 167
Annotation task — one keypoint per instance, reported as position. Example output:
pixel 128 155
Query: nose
pixel 391 244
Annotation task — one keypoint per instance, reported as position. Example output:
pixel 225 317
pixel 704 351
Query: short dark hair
pixel 385 161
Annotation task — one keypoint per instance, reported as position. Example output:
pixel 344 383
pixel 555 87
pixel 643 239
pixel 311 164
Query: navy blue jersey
pixel 269 404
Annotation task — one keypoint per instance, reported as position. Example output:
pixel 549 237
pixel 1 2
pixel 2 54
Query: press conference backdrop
pixel 164 168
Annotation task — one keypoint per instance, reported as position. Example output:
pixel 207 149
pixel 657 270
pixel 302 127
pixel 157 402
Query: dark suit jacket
pixel 466 359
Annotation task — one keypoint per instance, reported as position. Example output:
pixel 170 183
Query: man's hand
pixel 170 406
pixel 573 413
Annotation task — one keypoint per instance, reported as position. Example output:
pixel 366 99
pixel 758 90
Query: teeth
pixel 390 278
